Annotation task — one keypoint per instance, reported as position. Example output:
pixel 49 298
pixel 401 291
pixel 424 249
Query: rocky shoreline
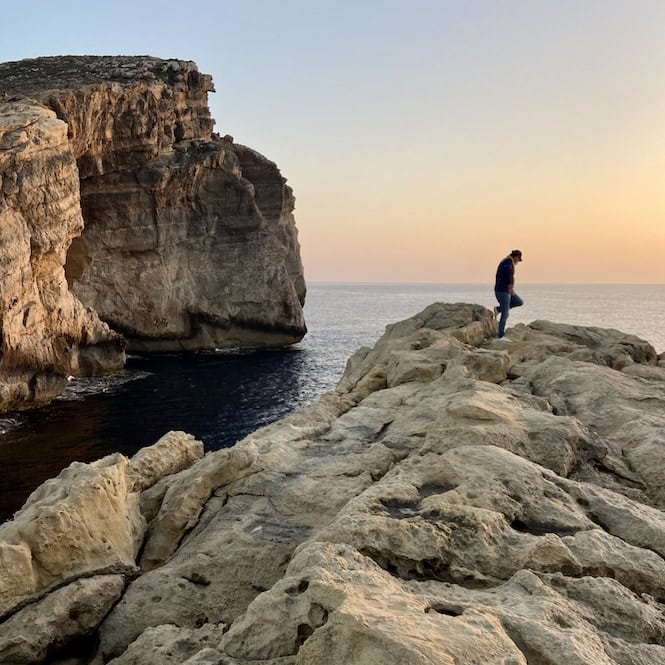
pixel 453 500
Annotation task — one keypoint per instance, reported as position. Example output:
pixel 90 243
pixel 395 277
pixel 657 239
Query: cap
pixel 516 254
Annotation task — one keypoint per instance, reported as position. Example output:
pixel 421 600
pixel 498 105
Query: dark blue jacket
pixel 505 275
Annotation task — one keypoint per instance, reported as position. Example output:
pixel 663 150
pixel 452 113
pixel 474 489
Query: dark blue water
pixel 221 397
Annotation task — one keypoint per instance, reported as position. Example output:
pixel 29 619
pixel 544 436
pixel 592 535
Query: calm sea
pixel 221 397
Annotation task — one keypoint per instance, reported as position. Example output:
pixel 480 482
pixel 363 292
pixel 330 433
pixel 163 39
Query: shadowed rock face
pixel 189 241
pixel 186 257
pixel 453 500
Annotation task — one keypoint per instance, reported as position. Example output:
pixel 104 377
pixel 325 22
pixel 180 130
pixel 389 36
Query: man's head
pixel 516 255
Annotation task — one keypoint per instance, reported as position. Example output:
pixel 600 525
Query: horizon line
pixel 415 283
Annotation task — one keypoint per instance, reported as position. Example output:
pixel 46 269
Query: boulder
pixel 85 521
pixel 82 522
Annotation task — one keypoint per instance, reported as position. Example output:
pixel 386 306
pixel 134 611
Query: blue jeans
pixel 506 303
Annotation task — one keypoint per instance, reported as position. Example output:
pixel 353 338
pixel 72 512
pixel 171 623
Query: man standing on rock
pixel 504 289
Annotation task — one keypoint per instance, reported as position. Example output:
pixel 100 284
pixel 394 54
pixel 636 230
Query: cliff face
pixel 186 257
pixel 453 500
pixel 189 241
pixel 46 333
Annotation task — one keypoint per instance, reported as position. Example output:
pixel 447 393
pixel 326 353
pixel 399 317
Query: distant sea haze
pixel 222 397
pixel 361 311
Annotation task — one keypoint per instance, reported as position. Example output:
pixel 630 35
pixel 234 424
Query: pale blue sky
pixel 424 140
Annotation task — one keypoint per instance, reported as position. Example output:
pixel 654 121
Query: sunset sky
pixel 424 139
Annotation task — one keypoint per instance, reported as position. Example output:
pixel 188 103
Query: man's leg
pixel 515 301
pixel 503 298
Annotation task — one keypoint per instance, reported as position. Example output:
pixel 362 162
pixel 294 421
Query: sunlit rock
pixel 46 332
pixel 449 502
pixel 85 521
pixel 124 219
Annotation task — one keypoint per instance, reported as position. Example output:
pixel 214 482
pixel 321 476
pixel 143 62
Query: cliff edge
pixel 451 501
pixel 169 235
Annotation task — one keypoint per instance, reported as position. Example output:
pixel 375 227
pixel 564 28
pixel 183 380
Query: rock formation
pixel 174 237
pixel 451 501
pixel 46 333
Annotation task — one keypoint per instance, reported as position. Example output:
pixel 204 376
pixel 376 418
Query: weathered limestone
pixel 171 645
pixel 46 333
pixel 174 452
pixel 185 497
pixel 337 606
pixel 178 254
pixel 117 202
pixel 189 240
pixel 452 501
pixel 82 522
pixel 86 521
pixel 625 412
pixel 35 632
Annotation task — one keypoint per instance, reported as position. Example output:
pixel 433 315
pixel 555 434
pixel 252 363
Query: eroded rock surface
pixel 36 632
pixel 452 501
pixel 174 237
pixel 85 521
pixel 45 331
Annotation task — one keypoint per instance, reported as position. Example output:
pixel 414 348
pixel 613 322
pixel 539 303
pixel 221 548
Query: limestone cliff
pixel 45 332
pixel 189 240
pixel 451 501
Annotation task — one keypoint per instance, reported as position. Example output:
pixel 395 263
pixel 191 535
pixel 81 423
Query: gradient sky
pixel 424 140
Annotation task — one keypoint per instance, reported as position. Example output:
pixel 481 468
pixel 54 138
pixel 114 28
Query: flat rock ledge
pixel 453 501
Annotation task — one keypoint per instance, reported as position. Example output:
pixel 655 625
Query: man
pixel 504 289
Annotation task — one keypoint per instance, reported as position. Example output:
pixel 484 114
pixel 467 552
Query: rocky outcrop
pixel 184 255
pixel 85 521
pixel 453 500
pixel 45 332
pixel 174 237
